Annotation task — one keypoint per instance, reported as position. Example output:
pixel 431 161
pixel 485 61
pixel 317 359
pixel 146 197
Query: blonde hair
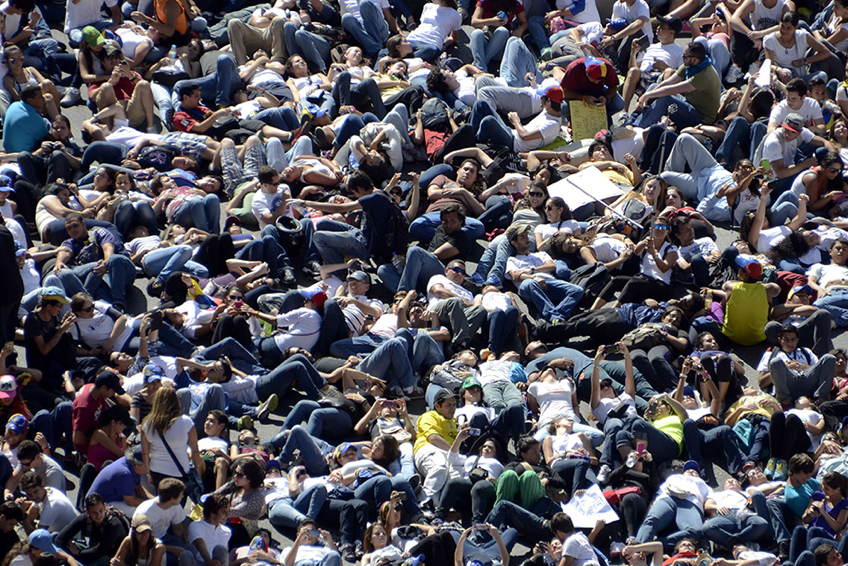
pixel 165 409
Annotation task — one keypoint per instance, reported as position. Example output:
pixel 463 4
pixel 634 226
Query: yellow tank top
pixel 672 426
pixel 746 313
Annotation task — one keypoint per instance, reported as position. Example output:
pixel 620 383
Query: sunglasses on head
pixel 89 308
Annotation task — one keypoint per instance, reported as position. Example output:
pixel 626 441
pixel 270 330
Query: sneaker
pixel 733 74
pixel 245 422
pixel 769 471
pixel 288 278
pixel 414 482
pixel 780 470
pixel 545 54
pixel 72 98
pixel 269 406
pixel 603 474
pixel 358 549
pixel 348 552
pixel 631 459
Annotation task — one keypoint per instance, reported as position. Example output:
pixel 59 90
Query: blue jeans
pixel 683 115
pixel 556 300
pixel 372 32
pixel 784 208
pixel 836 303
pixel 498 213
pixel 683 517
pixel 128 215
pixel 216 89
pixel 420 266
pixel 517 61
pixel 506 514
pixel 267 249
pixel 240 357
pixel 160 263
pixel 296 369
pixel 488 126
pixel 287 513
pixel 120 274
pixel 322 422
pixel 663 448
pixel 357 345
pixel 743 135
pixel 390 361
pixel 423 228
pixel 312 450
pixel 282 117
pixel 538 33
pixel 314 49
pixel 201 212
pixel 503 328
pixel 492 264
pixel 718 444
pixel 334 241
pixel 426 51
pixel 54 424
pixel 728 530
pixel 215 398
pixel 485 48
pixel 364 95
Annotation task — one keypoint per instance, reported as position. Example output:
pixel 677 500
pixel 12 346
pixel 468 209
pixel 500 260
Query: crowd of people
pixel 347 266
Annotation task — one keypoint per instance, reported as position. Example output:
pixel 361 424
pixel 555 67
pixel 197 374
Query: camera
pixel 474 432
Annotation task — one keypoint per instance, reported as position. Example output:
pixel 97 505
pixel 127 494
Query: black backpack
pixel 434 115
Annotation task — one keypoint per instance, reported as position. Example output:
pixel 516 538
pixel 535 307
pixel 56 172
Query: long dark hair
pixel 792 246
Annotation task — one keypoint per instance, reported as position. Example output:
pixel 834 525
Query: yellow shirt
pixel 672 426
pixel 746 313
pixel 432 422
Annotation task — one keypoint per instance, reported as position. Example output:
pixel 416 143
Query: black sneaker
pixel 348 552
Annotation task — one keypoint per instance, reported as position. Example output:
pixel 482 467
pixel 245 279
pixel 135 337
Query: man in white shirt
pixel 797 101
pixel 271 200
pixel 630 19
pixel 454 304
pixel 347 313
pixel 165 513
pixel 575 544
pixel 52 507
pixel 81 13
pixel 731 522
pixel 554 299
pixel 780 146
pixel 540 131
pixel 797 371
pixel 658 59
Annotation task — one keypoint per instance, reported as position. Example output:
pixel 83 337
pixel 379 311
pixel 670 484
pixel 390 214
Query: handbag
pixel 191 479
pixel 613 496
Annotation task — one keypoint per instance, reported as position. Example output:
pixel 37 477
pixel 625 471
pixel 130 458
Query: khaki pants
pixel 245 40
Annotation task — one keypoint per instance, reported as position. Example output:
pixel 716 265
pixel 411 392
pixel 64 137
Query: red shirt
pixel 491 9
pixel 86 412
pixel 576 81
pixel 185 120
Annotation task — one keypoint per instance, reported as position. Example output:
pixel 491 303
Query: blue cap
pixel 17 423
pixel 54 293
pixel 6 183
pixel 43 541
pixel 692 465
pixel 152 372
pixel 19 249
pixel 617 24
pixel 750 265
pixel 688 391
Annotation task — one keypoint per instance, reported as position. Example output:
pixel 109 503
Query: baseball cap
pixel 42 539
pixel 470 381
pixel 688 391
pixel 672 22
pixel 8 387
pixel 152 372
pixel 6 183
pixel 111 380
pixel 19 250
pixel 53 293
pixel 111 48
pixel 141 523
pixel 92 36
pixel 344 448
pixel 359 276
pixel 317 296
pixel 17 423
pixel 801 289
pixel 230 221
pixel 793 122
pixel 751 266
pixel 692 465
pixel 596 69
pixel 442 395
pixel 553 93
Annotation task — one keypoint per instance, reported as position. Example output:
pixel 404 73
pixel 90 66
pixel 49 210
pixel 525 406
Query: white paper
pixel 763 79
pixel 585 509
pixel 592 181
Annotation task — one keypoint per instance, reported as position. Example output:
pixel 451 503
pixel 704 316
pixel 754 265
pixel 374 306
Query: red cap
pixel 596 69
pixel 553 93
pixel 318 299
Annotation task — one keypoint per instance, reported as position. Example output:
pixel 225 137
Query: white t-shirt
pixel 784 56
pixel 802 355
pixel 777 148
pixel 548 230
pixel 770 237
pixel 554 400
pixel 649 264
pixel 467 90
pixel 442 280
pixel 307 553
pixel 607 249
pixel 670 54
pixel 212 443
pixel 639 9
pixel 704 246
pixel 263 203
pixel 606 404
pixel 96 330
pixel 549 126
pixel 763 17
pixel 83 12
pixel 211 535
pixel 827 273
pixel 587 15
pixel 527 261
pixel 578 547
pixel 437 22
pixel 303 325
pixel 810 110
pixel 811 417
pixel 56 511
pixel 160 519
pixel 177 437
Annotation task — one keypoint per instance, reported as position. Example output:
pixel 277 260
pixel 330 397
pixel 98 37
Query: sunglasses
pixel 536 194
pixel 240 474
pixel 834 169
pixel 661 226
pixel 550 207
pixel 458 270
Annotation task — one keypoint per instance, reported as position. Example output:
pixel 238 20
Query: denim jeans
pixel 335 241
pixel 287 513
pixel 489 127
pixel 517 62
pixel 321 422
pixel 492 265
pixel 718 444
pixel 314 49
pixel 736 528
pixel 357 345
pixel 555 300
pixel 54 424
pixel 200 212
pixel 296 369
pixel 503 330
pixel 836 303
pixel 663 448
pixel 390 361
pixel 214 398
pixel 371 32
pixel 426 51
pixel 420 266
pixel 282 117
pixel 120 274
pixel 683 517
pixel 267 249
pixel 423 228
pixel 160 263
pixel 740 134
pixel 216 89
pixel 364 95
pixel 485 48
pixel 312 450
pixel 676 107
pixel 506 514
pixel 128 215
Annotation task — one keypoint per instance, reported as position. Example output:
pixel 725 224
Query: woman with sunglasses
pixel 247 500
pixel 657 256
pixel 99 329
pixel 559 219
pixel 825 186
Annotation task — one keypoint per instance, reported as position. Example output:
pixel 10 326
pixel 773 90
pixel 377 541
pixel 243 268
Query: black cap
pixel 442 395
pixel 111 380
pixel 672 22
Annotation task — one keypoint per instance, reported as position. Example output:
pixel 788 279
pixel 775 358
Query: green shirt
pixel 705 97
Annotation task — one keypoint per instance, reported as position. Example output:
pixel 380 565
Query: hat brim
pixel 8 394
pixel 790 128
pixel 57 298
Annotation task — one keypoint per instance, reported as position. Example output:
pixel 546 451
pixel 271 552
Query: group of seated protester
pixel 423 283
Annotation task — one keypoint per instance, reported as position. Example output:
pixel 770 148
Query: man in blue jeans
pixel 93 256
pixel 532 273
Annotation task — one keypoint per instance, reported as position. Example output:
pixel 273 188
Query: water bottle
pixel 351 160
pixel 631 460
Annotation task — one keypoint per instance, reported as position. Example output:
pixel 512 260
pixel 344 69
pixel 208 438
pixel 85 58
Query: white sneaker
pixel 733 74
pixel 603 474
pixel 72 98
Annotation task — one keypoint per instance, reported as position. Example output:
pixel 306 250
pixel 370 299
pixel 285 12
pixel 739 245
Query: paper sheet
pixel 585 509
pixel 592 181
pixel 586 119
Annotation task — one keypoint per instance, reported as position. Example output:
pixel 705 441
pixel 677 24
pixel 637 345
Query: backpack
pixel 157 156
pixel 393 237
pixel 434 115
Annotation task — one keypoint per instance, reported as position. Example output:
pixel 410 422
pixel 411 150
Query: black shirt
pixel 94 541
pixel 459 239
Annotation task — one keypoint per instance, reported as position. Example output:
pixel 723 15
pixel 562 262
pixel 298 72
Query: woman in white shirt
pixel 559 219
pixel 167 423
pixel 788 46
pixel 831 283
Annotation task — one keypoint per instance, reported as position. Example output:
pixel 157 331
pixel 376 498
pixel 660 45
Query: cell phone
pixel 474 432
pixel 479 526
pixel 612 349
pixel 643 42
pixel 391 404
pixel 641 445
pixel 156 320
pixel 315 533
